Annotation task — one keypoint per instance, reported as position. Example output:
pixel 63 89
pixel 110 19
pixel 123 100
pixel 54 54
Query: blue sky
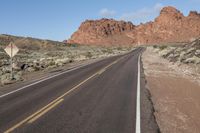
pixel 58 19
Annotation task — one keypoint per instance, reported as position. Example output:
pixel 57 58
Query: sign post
pixel 11 50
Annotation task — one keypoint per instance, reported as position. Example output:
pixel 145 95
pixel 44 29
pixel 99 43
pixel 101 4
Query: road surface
pixel 97 98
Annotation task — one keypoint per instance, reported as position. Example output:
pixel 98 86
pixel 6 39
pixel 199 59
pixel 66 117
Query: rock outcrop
pixel 170 26
pixel 104 31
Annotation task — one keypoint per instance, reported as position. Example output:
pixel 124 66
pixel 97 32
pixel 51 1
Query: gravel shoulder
pixel 174 92
pixel 148 121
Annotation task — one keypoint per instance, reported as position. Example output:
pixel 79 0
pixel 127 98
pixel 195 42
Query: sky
pixel 58 19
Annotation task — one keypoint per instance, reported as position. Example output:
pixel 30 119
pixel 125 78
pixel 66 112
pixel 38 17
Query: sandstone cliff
pixel 170 26
pixel 104 31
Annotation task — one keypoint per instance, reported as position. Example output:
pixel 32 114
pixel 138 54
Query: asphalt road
pixel 97 98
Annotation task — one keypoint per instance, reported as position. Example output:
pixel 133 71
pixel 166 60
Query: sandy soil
pixel 175 94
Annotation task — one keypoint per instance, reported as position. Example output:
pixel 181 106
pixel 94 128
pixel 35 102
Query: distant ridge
pixel 28 42
pixel 170 26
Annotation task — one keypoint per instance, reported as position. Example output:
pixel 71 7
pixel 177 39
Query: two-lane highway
pixel 97 98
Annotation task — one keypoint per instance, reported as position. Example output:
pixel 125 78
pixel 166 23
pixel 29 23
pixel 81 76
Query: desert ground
pixel 173 79
pixel 171 75
pixel 116 67
pixel 44 56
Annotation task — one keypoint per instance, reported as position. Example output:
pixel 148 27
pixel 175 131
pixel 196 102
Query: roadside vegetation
pixel 186 54
pixel 39 55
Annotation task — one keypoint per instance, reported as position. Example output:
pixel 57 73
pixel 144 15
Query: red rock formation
pixel 104 31
pixel 170 26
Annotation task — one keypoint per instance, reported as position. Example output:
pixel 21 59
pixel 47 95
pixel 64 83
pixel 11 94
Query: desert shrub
pixel 71 61
pixel 72 45
pixel 88 55
pixel 29 47
pixel 71 56
pixel 104 50
pixel 155 46
pixel 109 51
pixel 3 43
pixel 52 63
pixel 162 47
pixel 119 48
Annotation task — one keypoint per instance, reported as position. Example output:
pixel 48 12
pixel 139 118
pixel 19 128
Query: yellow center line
pixel 45 111
pixel 47 106
pixel 100 72
pixel 55 102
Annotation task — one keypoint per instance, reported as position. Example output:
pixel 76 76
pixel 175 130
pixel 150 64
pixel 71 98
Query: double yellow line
pixel 36 115
pixel 55 102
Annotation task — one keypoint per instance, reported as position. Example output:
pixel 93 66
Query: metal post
pixel 12 77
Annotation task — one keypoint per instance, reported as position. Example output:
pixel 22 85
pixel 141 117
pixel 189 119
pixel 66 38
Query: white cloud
pixel 143 14
pixel 106 13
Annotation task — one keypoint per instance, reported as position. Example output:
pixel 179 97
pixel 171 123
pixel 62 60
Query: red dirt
pixel 175 95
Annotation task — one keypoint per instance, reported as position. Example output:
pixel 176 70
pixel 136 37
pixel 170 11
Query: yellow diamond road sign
pixel 11 49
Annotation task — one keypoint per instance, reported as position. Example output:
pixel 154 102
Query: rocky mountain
pixel 170 26
pixel 104 31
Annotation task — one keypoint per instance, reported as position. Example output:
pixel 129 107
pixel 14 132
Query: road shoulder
pixel 148 121
pixel 175 96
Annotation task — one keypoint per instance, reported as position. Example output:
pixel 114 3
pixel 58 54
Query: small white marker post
pixel 11 50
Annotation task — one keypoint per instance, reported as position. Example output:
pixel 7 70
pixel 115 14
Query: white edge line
pixel 138 126
pixel 43 80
